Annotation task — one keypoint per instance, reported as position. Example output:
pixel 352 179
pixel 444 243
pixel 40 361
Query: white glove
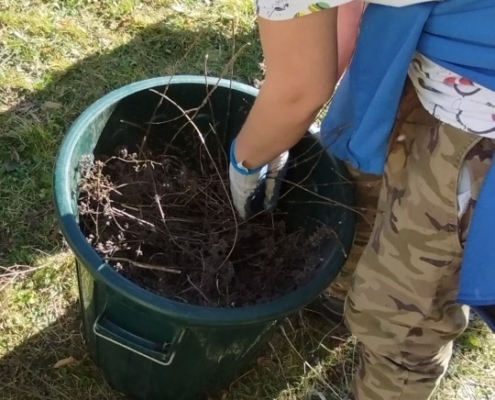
pixel 246 184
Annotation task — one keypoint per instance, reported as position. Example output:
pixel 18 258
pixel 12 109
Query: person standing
pixel 413 116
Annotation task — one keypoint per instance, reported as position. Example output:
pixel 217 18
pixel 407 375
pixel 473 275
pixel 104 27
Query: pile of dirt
pixel 164 219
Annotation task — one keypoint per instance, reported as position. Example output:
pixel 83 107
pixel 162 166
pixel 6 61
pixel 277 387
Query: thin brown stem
pixel 144 265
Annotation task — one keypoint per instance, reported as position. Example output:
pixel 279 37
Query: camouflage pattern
pixel 367 193
pixel 367 190
pixel 402 302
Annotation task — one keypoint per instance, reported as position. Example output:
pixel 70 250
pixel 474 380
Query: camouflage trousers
pixel 402 275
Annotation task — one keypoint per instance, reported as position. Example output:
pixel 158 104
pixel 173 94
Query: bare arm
pixel 301 61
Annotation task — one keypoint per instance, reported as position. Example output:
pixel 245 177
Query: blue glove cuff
pixel 238 165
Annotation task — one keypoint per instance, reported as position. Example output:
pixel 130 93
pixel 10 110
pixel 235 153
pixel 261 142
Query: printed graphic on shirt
pixel 312 8
pixel 452 98
pixel 288 9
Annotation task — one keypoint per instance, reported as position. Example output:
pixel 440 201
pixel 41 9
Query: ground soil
pixel 165 221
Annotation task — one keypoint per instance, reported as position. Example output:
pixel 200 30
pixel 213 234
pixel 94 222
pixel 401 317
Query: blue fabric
pixel 368 95
pixel 477 285
pixel 457 34
pixel 460 36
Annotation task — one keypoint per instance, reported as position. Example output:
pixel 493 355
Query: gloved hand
pixel 247 184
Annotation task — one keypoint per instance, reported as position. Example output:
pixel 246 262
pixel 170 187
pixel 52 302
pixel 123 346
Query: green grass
pixel 57 57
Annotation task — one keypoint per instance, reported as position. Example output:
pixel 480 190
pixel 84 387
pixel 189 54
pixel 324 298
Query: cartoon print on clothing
pixel 452 98
pixel 312 8
pixel 288 9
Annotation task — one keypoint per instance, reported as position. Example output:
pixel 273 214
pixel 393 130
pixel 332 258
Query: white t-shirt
pixel 449 97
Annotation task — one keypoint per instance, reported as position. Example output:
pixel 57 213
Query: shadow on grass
pixel 28 372
pixel 31 130
pixel 303 355
pixel 300 348
pixel 299 358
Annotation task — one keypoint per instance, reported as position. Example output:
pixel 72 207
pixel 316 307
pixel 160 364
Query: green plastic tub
pixel 152 348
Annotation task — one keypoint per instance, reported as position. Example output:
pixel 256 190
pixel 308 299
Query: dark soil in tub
pixel 164 220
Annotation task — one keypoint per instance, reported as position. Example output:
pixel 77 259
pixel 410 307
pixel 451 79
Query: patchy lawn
pixel 56 58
